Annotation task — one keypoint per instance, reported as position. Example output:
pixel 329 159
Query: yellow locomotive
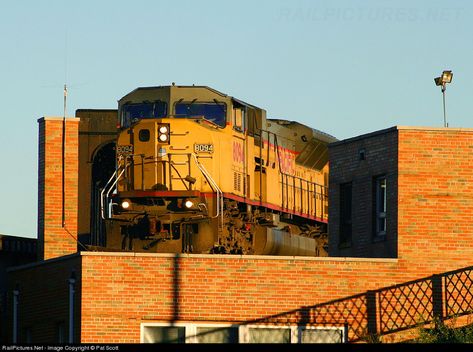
pixel 199 171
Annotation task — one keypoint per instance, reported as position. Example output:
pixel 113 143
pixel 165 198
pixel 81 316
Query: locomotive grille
pixel 236 181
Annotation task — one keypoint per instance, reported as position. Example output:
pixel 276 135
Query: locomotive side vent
pixel 236 181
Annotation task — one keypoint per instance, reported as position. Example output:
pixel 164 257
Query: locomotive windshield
pixel 140 111
pixel 215 112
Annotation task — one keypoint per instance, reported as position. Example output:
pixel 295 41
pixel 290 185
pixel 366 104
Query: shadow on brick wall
pixel 371 314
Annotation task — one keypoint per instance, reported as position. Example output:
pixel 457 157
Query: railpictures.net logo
pixel 60 348
pixel 377 14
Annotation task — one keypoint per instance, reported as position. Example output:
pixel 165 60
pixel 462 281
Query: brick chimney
pixel 57 186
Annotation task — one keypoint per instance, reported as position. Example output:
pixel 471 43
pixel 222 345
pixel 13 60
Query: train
pixel 199 171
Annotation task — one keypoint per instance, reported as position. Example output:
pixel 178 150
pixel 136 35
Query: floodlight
pixel 442 81
pixel 447 76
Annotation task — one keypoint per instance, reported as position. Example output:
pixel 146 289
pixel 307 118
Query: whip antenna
pixel 64 137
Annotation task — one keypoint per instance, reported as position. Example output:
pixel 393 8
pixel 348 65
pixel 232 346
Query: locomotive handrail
pixel 214 185
pixel 172 165
pixel 108 192
pixel 102 192
pixel 312 187
pixel 110 188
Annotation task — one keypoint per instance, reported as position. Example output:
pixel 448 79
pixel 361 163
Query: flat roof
pixel 397 128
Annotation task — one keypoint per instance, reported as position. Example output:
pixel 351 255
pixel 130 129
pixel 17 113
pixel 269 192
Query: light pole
pixel 442 81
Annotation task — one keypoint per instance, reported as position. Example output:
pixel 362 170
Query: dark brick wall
pixel 380 158
pixel 44 299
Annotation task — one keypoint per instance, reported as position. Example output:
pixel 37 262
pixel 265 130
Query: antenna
pixel 64 160
pixel 64 136
pixel 65 100
pixel 65 74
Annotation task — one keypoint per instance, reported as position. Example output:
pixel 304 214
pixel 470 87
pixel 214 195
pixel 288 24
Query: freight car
pixel 198 171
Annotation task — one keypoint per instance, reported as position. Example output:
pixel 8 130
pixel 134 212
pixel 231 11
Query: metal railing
pixel 169 170
pixel 303 196
pixel 297 194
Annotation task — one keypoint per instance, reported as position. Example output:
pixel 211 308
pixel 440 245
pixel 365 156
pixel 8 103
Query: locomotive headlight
pixel 126 204
pixel 163 133
pixel 188 203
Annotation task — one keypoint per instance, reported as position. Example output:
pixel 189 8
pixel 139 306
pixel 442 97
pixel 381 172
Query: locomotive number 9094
pixel 203 148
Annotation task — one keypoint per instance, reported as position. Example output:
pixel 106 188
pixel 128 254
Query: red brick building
pixel 408 210
pixel 410 196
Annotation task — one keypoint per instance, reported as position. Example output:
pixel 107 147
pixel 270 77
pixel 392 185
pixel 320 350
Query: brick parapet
pixel 238 289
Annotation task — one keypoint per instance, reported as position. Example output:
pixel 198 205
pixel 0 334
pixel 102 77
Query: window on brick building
pixel 345 214
pixel 321 335
pixel 230 333
pixel 207 334
pixel 380 206
pixel 269 335
pixel 164 334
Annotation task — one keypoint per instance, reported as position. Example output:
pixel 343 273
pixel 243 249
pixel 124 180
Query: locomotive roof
pixel 193 86
pixel 163 87
pixel 320 135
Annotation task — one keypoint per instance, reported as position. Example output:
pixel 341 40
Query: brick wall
pixel 55 238
pixel 14 251
pixel 380 158
pixel 119 291
pixel 429 173
pixel 44 299
pixel 96 129
pixel 122 290
pixel 435 197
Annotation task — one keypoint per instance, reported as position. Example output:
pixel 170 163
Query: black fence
pixel 396 308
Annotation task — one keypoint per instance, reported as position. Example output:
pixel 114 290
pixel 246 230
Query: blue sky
pixel 343 67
